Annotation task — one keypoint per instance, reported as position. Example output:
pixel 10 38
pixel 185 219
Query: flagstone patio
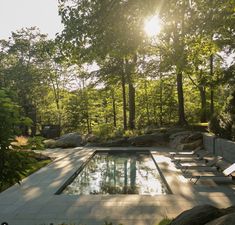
pixel 34 201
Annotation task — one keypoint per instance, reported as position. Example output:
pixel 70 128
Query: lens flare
pixel 152 26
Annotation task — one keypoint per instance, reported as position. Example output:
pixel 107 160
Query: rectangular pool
pixel 117 172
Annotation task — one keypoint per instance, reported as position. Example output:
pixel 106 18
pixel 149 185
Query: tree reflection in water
pixel 118 173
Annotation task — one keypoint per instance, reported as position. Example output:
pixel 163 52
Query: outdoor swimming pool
pixel 117 172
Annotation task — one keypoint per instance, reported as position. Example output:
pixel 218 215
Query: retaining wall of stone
pixel 219 146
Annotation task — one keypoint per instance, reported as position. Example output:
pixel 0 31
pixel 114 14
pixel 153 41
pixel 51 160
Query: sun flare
pixel 152 26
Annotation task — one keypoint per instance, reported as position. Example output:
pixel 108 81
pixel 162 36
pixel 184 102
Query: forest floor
pixel 34 201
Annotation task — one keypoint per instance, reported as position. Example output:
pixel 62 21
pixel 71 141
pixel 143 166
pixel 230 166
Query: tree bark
pixel 131 106
pixel 124 101
pixel 203 117
pixel 147 102
pixel 130 69
pixel 114 109
pixel 161 102
pixel 211 86
pixel 181 113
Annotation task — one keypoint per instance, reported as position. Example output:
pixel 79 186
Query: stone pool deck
pixel 34 201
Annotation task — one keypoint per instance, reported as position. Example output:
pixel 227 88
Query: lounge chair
pixel 186 153
pixel 197 157
pixel 224 176
pixel 208 164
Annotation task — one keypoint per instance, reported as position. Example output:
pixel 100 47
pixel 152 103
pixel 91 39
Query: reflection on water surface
pixel 118 173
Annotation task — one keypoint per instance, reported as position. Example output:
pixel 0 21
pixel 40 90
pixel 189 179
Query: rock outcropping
pixel 186 140
pixel 65 141
pixel 206 215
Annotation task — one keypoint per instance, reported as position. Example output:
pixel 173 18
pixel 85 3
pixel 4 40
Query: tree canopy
pixel 103 71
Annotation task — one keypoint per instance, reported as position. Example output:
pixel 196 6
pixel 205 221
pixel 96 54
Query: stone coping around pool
pixel 34 202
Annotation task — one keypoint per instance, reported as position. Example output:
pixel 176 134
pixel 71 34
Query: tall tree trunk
pixel 130 69
pixel 160 93
pixel 114 109
pixel 146 101
pixel 181 113
pixel 33 113
pixel 161 103
pixel 203 117
pixel 124 101
pixel 131 106
pixel 56 92
pixel 211 86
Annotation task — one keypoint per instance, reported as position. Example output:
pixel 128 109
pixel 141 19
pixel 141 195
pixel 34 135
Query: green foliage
pixel 104 131
pixel 110 223
pixel 12 164
pixel 9 118
pixel 223 124
pixel 131 133
pixel 165 221
pixel 36 143
pixel 26 121
pixel 24 164
pixel 53 84
pixel 15 166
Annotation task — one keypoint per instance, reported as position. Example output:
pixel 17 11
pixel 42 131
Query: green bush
pixel 104 131
pixel 12 164
pixel 223 125
pixel 16 166
pixel 36 143
pixel 165 221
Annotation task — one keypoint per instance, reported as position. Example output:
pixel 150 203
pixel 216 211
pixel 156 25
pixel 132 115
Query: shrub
pixel 36 143
pixel 165 221
pixel 16 166
pixel 104 131
pixel 131 133
pixel 223 124
pixel 11 162
pixel 20 142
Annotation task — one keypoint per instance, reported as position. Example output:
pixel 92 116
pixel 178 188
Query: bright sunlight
pixel 152 26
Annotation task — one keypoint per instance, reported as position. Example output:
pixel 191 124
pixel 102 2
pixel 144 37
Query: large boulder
pixel 175 130
pixel 50 143
pixel 190 146
pixel 69 140
pixel 121 142
pixel 186 140
pixel 178 138
pixel 153 129
pixel 228 219
pixel 154 139
pixel 184 133
pixel 91 138
pixel 65 141
pixel 199 215
pixel 193 137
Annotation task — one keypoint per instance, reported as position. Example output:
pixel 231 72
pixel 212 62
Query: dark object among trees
pixel 50 131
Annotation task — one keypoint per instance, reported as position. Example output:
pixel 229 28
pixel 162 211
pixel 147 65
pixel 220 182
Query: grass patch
pixel 164 222
pixel 34 163
pixel 36 166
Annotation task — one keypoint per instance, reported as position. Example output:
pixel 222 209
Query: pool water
pixel 118 173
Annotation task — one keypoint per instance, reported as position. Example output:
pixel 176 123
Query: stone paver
pixel 34 202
